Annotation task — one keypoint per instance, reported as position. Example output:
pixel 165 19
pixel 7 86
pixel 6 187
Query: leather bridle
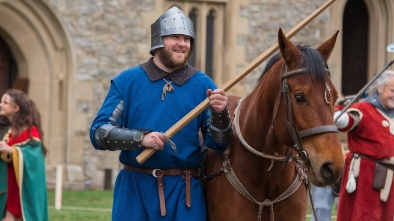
pixel 291 125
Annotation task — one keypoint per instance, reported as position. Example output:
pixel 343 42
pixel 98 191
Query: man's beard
pixel 166 58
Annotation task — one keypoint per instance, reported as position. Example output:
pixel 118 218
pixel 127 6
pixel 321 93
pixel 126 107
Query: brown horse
pixel 284 139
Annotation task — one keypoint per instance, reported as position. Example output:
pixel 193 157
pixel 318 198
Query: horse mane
pixel 311 60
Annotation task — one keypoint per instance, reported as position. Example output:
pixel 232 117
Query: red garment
pixel 13 197
pixel 373 138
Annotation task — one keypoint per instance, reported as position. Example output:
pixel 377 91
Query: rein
pixel 246 145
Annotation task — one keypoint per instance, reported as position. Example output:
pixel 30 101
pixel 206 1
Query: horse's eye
pixel 299 98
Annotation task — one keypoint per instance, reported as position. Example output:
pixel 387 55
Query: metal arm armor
pixel 220 128
pixel 110 137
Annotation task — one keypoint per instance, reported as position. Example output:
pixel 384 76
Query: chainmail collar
pixel 375 101
pixel 179 76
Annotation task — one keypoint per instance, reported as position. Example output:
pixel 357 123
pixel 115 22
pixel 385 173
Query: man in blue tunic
pixel 146 100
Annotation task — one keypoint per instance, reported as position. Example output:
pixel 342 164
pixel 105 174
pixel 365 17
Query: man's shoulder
pixel 202 76
pixel 129 73
pixel 132 70
pixel 364 109
pixel 363 105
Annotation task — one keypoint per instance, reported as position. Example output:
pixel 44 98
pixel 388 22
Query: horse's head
pixel 306 108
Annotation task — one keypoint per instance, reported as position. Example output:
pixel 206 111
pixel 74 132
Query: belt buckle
pixel 155 171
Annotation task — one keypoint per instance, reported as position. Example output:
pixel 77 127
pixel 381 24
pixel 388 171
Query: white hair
pixel 383 79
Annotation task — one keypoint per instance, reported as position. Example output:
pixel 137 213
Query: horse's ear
pixel 288 50
pixel 326 48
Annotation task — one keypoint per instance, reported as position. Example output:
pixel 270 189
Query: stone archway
pixel 43 54
pixel 381 26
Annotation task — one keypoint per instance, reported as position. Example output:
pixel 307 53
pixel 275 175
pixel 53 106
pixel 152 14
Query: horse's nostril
pixel 327 173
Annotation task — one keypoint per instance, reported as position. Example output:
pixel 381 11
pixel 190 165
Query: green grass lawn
pixel 81 206
pixel 96 206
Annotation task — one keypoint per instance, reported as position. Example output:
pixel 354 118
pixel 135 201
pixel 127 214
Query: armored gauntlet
pixel 110 137
pixel 220 128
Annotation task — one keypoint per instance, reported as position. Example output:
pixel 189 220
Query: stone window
pixel 209 27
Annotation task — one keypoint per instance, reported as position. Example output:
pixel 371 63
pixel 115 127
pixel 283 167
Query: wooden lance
pixel 143 156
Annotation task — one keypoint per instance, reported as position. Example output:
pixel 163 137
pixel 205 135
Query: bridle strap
pixel 318 130
pixel 296 72
pixel 285 87
pixel 291 125
pixel 292 73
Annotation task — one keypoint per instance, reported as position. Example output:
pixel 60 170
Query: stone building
pixel 64 53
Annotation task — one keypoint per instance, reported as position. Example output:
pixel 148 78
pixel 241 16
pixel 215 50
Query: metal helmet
pixel 173 21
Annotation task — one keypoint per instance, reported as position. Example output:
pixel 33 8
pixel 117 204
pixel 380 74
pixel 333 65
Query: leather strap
pixel 188 196
pixel 163 210
pixel 158 174
pixel 384 162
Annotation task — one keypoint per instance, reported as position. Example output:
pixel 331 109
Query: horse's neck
pixel 256 118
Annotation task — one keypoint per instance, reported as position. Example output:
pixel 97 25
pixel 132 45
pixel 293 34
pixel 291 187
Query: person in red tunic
pixel 22 181
pixel 367 190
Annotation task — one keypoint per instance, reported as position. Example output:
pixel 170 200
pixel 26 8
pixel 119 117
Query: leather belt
pixel 158 174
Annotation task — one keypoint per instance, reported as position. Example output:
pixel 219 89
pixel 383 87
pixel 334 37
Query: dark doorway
pixel 4 67
pixel 210 44
pixel 7 67
pixel 355 47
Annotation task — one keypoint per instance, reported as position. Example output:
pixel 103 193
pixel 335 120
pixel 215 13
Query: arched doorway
pixel 355 47
pixel 35 41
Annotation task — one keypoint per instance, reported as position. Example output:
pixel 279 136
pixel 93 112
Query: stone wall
pixel 266 17
pixel 106 37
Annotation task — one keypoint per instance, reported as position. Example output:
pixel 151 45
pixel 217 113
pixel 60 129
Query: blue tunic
pixel 136 194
